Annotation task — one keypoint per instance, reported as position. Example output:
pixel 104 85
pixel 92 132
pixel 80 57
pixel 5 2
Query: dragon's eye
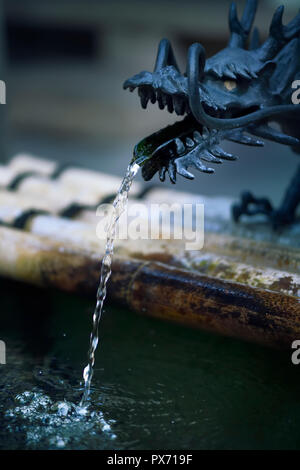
pixel 230 85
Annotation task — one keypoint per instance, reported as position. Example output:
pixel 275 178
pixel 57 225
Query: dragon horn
pixel 279 35
pixel 165 56
pixel 255 40
pixel 292 30
pixel 240 29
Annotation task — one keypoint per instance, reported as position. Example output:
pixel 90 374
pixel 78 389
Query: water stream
pixel 119 205
pixel 55 423
pixel 159 385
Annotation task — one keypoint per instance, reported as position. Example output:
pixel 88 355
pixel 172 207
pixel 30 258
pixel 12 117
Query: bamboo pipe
pixel 78 177
pixel 255 252
pixel 216 207
pixel 24 163
pixel 72 185
pixel 169 251
pixel 76 237
pixel 173 252
pixel 243 253
pixel 219 266
pixel 240 249
pixel 154 289
pixel 90 187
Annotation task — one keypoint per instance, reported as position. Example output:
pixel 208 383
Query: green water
pixel 156 385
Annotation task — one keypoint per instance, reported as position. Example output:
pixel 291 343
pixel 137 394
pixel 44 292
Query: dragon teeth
pixel 219 152
pixel 162 174
pixel 197 137
pixel 144 101
pixel 170 104
pixel 144 97
pixel 167 101
pixel 160 100
pixel 179 105
pixel 172 172
pixel 152 96
pixel 205 132
pixel 207 156
pixel 164 98
pixel 182 170
pixel 189 142
pixel 179 146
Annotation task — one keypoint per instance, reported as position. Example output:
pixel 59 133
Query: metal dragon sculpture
pixel 235 95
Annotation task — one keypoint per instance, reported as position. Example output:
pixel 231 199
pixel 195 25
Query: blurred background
pixel 64 63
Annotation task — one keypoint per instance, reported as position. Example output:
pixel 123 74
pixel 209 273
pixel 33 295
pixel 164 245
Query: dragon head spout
pixel 228 96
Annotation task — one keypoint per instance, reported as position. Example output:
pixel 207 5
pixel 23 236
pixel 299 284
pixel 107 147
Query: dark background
pixel 64 62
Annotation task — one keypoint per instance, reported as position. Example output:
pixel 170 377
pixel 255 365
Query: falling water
pixel 119 206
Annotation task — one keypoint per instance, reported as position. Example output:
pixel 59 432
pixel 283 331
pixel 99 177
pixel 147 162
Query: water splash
pixel 119 205
pixel 56 425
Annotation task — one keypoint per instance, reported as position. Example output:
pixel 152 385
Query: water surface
pixel 156 385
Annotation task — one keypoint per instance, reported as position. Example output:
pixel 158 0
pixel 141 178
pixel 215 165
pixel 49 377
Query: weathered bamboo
pixel 240 250
pixel 211 263
pixel 169 251
pixel 155 289
pixel 72 185
pixel 26 162
pixel 79 185
pixel 235 286
pixel 22 163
